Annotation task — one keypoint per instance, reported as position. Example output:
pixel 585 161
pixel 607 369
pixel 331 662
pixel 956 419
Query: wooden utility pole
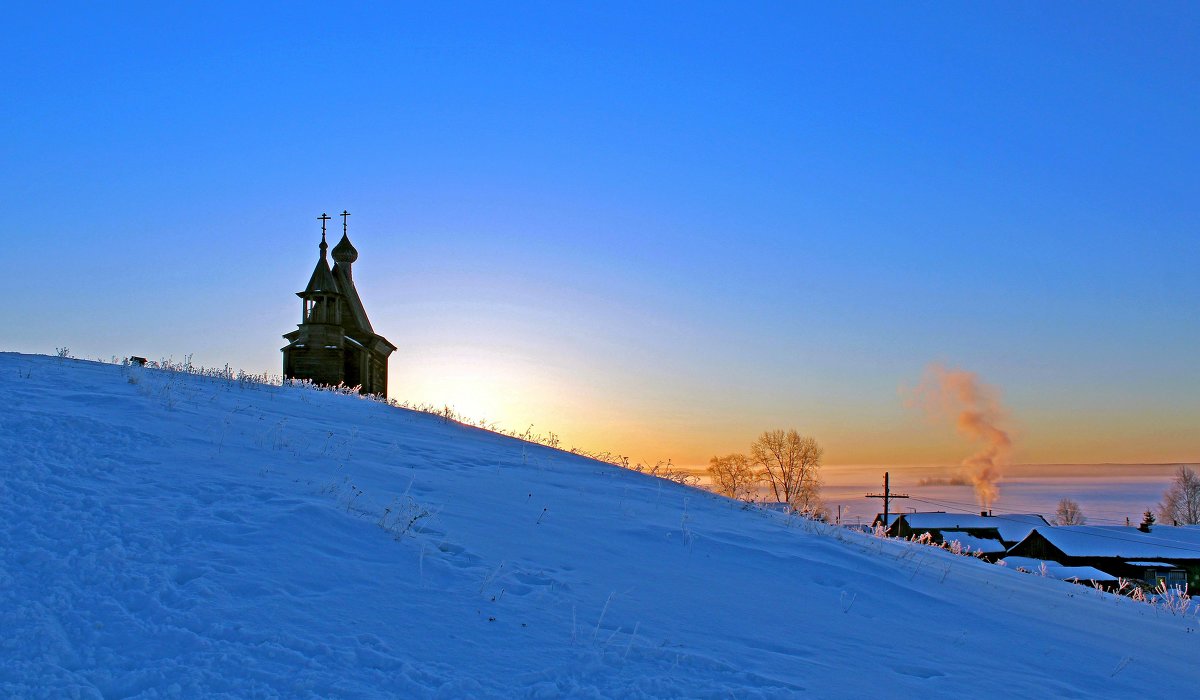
pixel 887 496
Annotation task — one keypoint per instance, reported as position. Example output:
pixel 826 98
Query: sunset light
pixel 600 349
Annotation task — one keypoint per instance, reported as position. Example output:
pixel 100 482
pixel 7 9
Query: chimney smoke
pixel 958 396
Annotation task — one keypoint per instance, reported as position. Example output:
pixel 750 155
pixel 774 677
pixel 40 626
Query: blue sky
pixel 655 230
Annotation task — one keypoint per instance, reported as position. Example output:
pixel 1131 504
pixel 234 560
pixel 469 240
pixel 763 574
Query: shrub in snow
pixel 1069 513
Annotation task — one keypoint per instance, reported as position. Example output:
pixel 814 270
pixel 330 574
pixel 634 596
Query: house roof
pixel 1056 570
pixel 1185 534
pixel 1012 527
pixel 974 544
pixel 1120 542
pixel 891 518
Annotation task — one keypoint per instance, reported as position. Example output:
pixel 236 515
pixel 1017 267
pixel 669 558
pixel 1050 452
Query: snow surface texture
pixel 166 535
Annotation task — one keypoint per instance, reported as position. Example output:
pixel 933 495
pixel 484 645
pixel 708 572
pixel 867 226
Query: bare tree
pixel 732 475
pixel 790 463
pixel 1069 513
pixel 1181 502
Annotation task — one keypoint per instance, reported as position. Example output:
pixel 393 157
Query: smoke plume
pixel 958 396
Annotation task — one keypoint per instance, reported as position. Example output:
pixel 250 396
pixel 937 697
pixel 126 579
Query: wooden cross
pixel 323 218
pixel 344 215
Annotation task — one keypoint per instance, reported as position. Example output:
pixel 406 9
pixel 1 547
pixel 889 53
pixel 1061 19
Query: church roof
pixel 322 280
pixel 344 251
pixel 353 303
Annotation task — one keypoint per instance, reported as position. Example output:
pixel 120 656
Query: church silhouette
pixel 334 343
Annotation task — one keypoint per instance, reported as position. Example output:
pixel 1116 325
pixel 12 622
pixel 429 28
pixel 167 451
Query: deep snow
pixel 166 535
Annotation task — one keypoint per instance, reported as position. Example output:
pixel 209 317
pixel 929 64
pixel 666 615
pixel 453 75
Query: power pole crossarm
pixel 887 497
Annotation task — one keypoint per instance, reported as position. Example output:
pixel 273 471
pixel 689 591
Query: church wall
pixel 352 362
pixel 316 354
pixel 378 375
pixel 322 366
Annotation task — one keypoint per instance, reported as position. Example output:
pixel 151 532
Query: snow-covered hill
pixel 165 535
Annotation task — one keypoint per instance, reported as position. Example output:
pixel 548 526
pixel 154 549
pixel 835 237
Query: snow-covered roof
pixel 1058 571
pixel 1159 564
pixel 1119 542
pixel 1185 534
pixel 1028 563
pixel 974 544
pixel 1011 526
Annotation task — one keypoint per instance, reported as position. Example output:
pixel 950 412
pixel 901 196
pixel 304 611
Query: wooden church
pixel 334 343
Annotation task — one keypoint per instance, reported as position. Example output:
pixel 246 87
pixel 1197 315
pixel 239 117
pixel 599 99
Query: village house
pixel 879 521
pixel 986 534
pixel 1157 554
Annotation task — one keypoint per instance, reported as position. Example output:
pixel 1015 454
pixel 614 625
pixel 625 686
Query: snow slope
pixel 166 535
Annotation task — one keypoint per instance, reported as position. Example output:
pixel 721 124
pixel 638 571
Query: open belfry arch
pixel 334 343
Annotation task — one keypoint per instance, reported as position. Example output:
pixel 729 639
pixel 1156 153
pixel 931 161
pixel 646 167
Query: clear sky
pixel 653 228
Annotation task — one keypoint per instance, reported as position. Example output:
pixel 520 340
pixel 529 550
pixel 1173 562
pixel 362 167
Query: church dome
pixel 344 252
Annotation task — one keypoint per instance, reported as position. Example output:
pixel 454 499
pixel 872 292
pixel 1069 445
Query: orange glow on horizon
pixel 647 424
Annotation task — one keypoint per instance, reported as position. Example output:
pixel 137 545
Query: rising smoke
pixel 958 396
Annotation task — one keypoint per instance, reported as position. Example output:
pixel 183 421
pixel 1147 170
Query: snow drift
pixel 167 535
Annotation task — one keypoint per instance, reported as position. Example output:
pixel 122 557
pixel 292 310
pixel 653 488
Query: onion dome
pixel 344 252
